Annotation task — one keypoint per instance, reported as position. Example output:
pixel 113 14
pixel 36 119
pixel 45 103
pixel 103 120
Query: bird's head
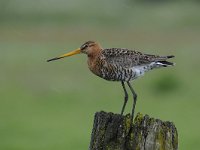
pixel 89 48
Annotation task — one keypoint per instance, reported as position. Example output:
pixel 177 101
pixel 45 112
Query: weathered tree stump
pixel 115 132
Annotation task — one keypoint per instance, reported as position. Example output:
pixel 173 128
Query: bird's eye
pixel 84 46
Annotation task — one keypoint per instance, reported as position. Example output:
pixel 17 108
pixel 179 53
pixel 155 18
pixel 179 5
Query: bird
pixel 119 64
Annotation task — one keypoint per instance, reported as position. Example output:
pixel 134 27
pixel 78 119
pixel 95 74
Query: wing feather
pixel 128 58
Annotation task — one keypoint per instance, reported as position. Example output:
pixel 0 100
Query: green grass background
pixel 46 106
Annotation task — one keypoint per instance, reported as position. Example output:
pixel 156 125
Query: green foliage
pixel 166 84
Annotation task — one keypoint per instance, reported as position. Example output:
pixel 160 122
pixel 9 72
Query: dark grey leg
pixel 125 97
pixel 134 98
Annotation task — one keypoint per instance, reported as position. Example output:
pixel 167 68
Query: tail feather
pixel 165 63
pixel 163 58
pixel 170 56
pixel 161 61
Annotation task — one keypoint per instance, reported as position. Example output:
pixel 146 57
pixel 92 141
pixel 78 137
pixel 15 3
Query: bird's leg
pixel 125 97
pixel 134 98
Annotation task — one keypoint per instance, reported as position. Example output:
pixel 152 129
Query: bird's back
pixel 120 64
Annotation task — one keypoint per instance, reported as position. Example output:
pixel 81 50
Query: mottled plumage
pixel 119 64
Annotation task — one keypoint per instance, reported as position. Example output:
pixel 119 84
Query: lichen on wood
pixel 116 132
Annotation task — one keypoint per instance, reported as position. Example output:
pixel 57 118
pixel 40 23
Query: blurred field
pixel 51 105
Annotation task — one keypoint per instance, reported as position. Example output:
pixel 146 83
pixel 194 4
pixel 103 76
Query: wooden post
pixel 115 132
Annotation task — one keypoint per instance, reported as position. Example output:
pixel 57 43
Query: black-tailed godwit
pixel 119 64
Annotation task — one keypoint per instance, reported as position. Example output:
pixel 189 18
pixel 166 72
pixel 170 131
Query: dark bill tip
pixel 56 58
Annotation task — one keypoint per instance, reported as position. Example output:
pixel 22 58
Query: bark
pixel 116 132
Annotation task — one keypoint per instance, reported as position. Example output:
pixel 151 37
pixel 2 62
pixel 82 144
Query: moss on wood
pixel 115 132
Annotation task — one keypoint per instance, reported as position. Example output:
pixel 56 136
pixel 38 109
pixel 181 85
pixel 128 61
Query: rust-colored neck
pixel 93 59
pixel 94 51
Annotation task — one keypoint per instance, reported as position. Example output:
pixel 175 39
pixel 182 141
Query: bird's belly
pixel 123 74
pixel 119 74
pixel 140 70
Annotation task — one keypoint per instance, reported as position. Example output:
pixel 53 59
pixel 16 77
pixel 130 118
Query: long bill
pixel 77 51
